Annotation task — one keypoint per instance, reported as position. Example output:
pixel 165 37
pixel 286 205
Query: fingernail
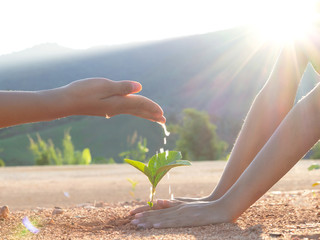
pixel 142 225
pixel 163 119
pixel 156 225
pixel 136 87
pixel 138 215
pixel 135 221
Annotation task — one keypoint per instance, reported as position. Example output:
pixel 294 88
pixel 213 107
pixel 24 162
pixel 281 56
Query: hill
pixel 218 72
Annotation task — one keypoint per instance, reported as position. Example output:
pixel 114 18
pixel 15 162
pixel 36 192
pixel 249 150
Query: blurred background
pixel 202 61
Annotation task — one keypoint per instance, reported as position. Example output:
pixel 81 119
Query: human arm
pixel 297 133
pixel 94 96
pixel 269 108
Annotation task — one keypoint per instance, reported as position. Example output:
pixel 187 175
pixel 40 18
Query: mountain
pixel 218 72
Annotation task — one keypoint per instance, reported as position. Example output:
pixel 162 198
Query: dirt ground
pixel 92 202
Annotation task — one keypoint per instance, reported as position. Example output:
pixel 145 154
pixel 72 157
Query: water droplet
pixel 165 129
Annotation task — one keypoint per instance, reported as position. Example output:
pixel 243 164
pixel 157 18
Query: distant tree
pixel 198 139
pixel 46 154
pixel 103 160
pixel 43 152
pixel 315 151
pixel 138 148
pixel 2 163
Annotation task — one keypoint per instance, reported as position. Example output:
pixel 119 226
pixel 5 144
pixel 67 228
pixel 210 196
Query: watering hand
pixel 107 98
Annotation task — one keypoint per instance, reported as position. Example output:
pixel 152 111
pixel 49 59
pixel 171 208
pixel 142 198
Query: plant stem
pixel 153 191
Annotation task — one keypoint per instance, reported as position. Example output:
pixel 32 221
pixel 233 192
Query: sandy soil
pixel 92 202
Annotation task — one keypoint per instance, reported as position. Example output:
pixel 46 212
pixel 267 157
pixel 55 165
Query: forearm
pixel 298 132
pixel 17 107
pixel 267 111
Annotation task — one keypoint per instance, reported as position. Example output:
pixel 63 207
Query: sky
pixel 80 24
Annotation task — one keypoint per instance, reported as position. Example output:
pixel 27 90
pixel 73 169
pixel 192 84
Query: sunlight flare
pixel 286 20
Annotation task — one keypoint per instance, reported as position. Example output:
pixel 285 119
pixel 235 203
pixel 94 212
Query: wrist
pixel 56 103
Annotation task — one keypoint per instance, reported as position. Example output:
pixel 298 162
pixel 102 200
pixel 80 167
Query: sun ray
pixel 286 20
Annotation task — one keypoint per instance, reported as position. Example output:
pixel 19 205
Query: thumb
pixel 126 87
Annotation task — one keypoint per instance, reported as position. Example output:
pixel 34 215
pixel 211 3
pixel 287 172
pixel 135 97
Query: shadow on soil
pixel 217 231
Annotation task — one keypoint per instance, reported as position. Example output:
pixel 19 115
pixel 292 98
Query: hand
pixel 184 215
pixel 107 98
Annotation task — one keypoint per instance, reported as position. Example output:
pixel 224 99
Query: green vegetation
pixel 103 160
pixel 137 151
pixel 2 163
pixel 45 153
pixel 104 138
pixel 315 154
pixel 198 139
pixel 133 186
pixel 157 167
pixel 315 151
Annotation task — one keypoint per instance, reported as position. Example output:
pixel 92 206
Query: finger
pixel 160 204
pixel 140 209
pixel 135 105
pixel 164 203
pixel 124 87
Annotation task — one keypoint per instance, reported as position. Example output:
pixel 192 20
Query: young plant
pixel 313 167
pixel 133 186
pixel 157 167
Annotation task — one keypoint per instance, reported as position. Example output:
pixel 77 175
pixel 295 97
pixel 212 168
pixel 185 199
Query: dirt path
pixel 290 210
pixel 65 186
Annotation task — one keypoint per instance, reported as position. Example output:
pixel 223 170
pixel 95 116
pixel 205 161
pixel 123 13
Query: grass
pixel 106 138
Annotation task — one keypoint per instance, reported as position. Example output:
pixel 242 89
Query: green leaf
pixel 158 166
pixel 315 184
pixel 133 183
pixel 150 204
pixel 314 166
pixel 164 169
pixel 161 159
pixel 140 166
pixel 173 164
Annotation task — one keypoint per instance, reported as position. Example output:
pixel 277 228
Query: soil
pixel 92 202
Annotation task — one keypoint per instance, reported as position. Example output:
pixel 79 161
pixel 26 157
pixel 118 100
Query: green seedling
pixel 313 167
pixel 157 167
pixel 133 186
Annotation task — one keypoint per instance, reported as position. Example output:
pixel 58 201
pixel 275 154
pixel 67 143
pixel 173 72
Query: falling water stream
pixel 166 133
pixel 161 150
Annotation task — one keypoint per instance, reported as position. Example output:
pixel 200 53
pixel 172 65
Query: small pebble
pixel 4 212
pixel 57 211
pixel 275 234
pixel 99 204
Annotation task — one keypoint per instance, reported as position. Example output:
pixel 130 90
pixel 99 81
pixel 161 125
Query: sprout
pixel 157 167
